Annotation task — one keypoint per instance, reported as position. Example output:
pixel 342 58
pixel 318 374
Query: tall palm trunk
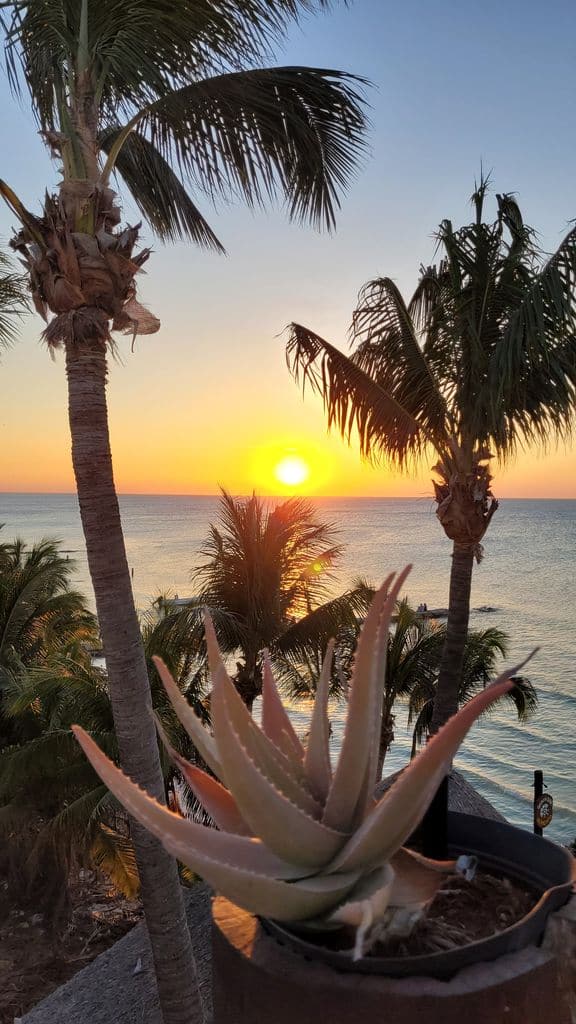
pixel 435 824
pixel 126 668
pixel 450 674
pixel 465 508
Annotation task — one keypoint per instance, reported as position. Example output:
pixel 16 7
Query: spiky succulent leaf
pixel 276 723
pixel 197 732
pixel 368 900
pixel 188 841
pixel 348 790
pixel 401 808
pixel 284 773
pixel 417 878
pixel 286 829
pixel 317 760
pixel 214 797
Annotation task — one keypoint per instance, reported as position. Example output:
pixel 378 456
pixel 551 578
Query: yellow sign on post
pixel 543 810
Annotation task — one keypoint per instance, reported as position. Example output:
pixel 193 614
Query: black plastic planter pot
pixel 500 848
pixel 264 974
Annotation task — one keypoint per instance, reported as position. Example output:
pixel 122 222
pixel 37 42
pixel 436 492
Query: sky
pixel 208 401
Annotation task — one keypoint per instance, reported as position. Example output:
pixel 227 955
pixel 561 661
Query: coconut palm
pixel 267 580
pixel 169 98
pixel 40 616
pixel 46 784
pixel 523 698
pixel 480 362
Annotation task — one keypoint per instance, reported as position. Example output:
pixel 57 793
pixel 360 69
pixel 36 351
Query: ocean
pixel 527 579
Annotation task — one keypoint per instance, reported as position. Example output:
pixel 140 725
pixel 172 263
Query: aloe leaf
pixel 201 738
pixel 287 830
pixel 368 900
pixel 186 840
pixel 398 812
pixel 417 878
pixel 276 723
pixel 282 901
pixel 347 796
pixel 214 797
pixel 381 657
pixel 317 760
pixel 242 869
pixel 273 764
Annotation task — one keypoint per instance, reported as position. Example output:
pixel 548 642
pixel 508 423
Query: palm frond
pixel 13 300
pixel 113 853
pixel 354 400
pixel 136 52
pixel 158 192
pixel 225 133
pixel 309 636
pixel 533 370
pixel 389 351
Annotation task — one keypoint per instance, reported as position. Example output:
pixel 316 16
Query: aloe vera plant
pixel 296 840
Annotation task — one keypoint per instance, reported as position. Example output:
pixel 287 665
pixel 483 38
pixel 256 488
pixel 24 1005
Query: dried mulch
pixel 464 912
pixel 35 958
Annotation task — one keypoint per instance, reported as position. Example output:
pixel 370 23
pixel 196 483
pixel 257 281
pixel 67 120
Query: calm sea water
pixel 527 576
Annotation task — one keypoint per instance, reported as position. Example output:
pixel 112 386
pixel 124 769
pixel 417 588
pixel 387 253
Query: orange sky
pixel 209 400
pixel 181 433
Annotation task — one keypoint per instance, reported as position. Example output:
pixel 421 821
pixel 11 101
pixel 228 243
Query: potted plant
pixel 317 888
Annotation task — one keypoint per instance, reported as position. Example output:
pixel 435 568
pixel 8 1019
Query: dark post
pixel 538 790
pixel 435 824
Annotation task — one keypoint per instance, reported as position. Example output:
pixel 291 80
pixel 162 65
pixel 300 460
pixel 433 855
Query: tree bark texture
pixel 446 700
pixel 127 674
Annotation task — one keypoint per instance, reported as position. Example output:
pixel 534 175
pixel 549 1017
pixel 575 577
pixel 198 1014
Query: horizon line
pixel 353 497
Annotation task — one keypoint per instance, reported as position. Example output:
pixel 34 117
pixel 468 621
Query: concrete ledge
pixel 119 986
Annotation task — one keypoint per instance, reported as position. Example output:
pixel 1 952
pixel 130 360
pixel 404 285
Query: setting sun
pixel 292 471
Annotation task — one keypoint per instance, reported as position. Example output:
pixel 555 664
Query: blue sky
pixel 456 85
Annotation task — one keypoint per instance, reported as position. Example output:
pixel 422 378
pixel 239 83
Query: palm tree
pixel 413 659
pixel 161 95
pixel 481 361
pixel 267 583
pixel 40 616
pixel 46 784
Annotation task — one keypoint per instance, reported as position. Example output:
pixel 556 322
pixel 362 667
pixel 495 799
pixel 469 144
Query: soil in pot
pixel 464 912
pixel 461 913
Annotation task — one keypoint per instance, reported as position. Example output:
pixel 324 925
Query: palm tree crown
pixel 172 96
pixel 480 361
pixel 267 581
pixel 40 614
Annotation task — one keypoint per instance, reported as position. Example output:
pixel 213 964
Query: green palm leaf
pixel 354 400
pixel 13 300
pixel 226 134
pixel 389 351
pixel 158 192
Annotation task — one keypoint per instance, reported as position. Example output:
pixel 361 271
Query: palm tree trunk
pixel 449 678
pixel 128 679
pixel 386 740
pixel 435 823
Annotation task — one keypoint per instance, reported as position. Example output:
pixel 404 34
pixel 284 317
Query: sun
pixel 292 471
